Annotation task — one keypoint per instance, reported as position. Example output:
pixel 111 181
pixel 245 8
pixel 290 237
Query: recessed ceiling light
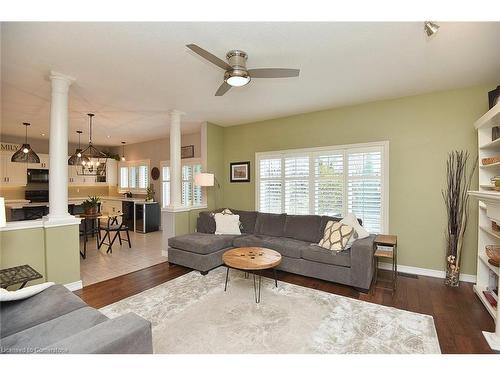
pixel 42 134
pixel 108 136
pixel 431 28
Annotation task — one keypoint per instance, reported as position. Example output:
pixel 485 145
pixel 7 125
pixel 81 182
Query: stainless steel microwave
pixel 37 176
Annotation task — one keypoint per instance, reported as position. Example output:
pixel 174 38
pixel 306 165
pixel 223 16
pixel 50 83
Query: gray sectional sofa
pixel 293 236
pixel 57 321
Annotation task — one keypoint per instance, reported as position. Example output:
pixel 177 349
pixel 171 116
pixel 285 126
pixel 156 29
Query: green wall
pixel 52 251
pixel 215 163
pixel 421 130
pixel 21 247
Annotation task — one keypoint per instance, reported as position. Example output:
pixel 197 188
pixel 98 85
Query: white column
pixel 58 147
pixel 175 159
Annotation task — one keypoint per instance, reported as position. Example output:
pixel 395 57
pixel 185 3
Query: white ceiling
pixel 131 74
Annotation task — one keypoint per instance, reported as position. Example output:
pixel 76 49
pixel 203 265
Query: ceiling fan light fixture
pixel 237 78
pixel 431 28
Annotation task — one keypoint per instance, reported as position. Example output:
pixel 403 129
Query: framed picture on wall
pixel 240 171
pixel 187 152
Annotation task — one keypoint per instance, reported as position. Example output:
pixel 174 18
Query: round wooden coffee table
pixel 252 260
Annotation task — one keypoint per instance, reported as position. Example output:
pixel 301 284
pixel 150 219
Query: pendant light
pixel 77 158
pixel 123 151
pixel 93 161
pixel 25 154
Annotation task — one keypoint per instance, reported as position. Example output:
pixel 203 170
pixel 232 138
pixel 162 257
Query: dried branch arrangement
pixel 456 199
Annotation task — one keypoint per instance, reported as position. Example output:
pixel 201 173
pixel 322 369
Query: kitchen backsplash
pixel 17 192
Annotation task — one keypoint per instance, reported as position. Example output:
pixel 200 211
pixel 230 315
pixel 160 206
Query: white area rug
pixel 193 314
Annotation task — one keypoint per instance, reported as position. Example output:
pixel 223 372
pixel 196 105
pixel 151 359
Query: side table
pixel 390 241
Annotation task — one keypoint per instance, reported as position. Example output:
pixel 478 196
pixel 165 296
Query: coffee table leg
pixel 275 278
pixel 256 288
pixel 227 276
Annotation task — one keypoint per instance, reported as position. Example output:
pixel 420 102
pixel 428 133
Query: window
pixel 328 181
pixel 134 176
pixel 191 195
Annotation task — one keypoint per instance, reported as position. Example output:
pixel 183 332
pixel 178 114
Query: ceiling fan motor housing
pixel 237 59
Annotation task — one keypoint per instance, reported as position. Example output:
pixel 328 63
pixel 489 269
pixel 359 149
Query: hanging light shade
pixel 93 160
pixel 25 154
pixel 77 158
pixel 123 151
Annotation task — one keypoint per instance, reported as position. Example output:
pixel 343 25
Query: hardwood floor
pixel 458 314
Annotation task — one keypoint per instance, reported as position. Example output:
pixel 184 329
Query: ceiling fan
pixel 236 73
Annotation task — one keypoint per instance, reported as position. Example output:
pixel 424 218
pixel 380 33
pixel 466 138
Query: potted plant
pixel 150 194
pixel 91 204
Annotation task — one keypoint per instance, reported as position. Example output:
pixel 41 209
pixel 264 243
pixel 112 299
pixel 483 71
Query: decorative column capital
pixel 176 113
pixel 60 82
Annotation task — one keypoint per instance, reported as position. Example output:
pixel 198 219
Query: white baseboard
pixel 426 272
pixel 76 285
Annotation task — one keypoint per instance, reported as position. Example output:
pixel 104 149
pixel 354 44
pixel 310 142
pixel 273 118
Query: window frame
pixel 314 151
pixel 128 165
pixel 186 162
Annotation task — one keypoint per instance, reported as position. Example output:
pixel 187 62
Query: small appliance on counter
pixel 147 217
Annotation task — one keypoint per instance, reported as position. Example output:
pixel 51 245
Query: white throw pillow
pixel 227 224
pixel 359 232
pixel 6 295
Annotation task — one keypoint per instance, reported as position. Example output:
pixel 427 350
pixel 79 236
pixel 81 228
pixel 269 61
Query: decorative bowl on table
pixel 493 253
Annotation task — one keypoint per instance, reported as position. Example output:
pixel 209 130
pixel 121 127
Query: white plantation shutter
pixel 365 187
pixel 329 184
pixel 191 194
pixel 165 185
pixel 142 176
pixel 123 177
pixel 197 192
pixel 328 181
pixel 270 185
pixel 297 185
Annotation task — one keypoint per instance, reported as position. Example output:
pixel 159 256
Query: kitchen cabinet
pixel 12 174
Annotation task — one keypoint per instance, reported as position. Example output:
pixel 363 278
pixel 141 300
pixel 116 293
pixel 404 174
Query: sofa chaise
pixel 57 321
pixel 293 236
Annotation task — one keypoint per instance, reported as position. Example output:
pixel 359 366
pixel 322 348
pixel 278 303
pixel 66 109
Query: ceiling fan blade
pixel 273 73
pixel 222 89
pixel 208 56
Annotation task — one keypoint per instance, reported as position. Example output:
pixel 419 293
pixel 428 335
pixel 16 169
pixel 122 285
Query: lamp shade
pixel 2 212
pixel 204 179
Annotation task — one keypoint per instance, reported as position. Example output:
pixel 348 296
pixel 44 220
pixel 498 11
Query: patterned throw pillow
pixel 336 236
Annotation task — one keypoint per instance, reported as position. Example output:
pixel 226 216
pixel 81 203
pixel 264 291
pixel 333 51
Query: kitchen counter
pixel 14 204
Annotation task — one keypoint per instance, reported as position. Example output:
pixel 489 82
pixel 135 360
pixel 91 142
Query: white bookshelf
pixel 489 203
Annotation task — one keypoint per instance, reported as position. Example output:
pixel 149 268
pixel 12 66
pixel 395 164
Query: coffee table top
pixel 251 258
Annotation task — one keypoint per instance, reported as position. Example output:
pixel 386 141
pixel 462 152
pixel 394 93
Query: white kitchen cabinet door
pixel 12 174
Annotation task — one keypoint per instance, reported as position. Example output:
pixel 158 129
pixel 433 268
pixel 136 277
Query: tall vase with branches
pixel 458 180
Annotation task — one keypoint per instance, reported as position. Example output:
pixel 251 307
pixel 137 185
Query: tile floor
pixel 99 266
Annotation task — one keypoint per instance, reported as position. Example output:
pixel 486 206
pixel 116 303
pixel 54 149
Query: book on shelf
pixel 385 248
pixel 489 297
